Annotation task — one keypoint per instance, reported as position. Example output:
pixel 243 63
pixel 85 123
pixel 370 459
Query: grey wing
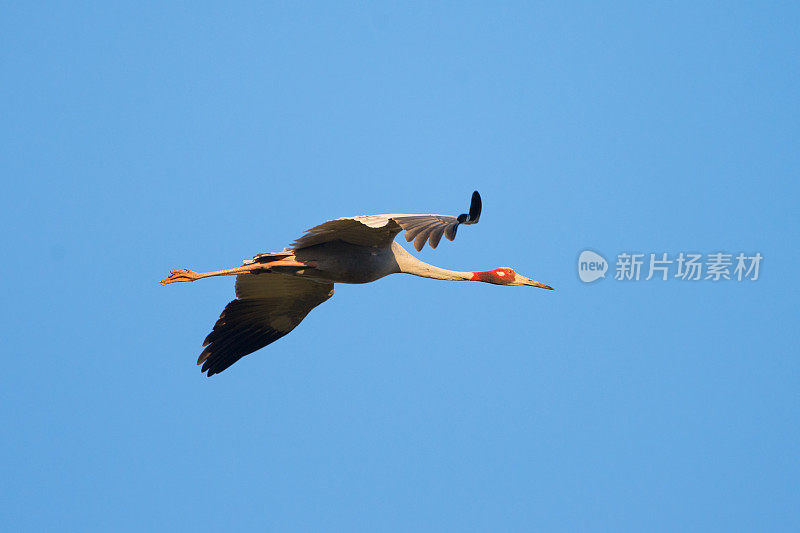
pixel 267 307
pixel 369 230
pixel 377 230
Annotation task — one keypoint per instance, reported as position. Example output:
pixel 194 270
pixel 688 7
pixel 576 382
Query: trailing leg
pixel 252 268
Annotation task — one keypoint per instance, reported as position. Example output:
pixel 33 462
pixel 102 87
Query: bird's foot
pixel 181 275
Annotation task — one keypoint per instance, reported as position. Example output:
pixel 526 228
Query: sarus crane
pixel 275 291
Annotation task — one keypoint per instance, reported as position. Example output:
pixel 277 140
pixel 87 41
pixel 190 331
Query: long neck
pixel 411 265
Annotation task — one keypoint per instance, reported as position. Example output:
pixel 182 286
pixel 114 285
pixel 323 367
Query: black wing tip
pixel 229 347
pixel 474 210
pixel 217 365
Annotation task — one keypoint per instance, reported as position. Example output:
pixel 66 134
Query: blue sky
pixel 137 139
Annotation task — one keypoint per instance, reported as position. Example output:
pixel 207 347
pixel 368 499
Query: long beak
pixel 527 281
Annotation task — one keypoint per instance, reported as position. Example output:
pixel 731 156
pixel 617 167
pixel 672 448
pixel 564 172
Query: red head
pixel 506 276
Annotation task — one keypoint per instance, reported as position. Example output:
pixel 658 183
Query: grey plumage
pixel 378 230
pixel 275 291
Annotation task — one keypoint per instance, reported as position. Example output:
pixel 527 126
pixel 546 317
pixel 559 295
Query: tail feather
pixel 268 258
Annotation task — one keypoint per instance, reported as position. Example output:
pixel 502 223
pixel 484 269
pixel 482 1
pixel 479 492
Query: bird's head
pixel 507 276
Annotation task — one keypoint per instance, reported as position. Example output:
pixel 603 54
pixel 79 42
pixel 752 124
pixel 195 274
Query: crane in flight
pixel 275 291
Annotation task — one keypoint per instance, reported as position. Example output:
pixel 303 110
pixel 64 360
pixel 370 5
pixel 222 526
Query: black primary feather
pixel 474 210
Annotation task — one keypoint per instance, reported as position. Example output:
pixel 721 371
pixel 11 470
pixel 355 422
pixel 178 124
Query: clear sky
pixel 139 138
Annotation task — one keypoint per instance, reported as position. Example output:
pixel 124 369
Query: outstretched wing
pixel 267 307
pixel 377 230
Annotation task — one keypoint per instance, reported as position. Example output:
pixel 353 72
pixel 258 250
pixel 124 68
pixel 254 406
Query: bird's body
pixel 275 291
pixel 342 262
